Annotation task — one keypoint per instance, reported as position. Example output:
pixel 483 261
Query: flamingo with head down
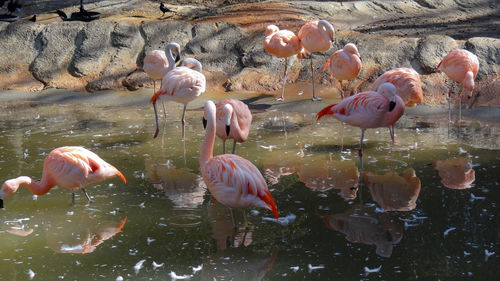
pixel 344 64
pixel 233 122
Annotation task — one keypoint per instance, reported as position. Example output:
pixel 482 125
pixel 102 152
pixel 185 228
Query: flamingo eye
pixel 204 123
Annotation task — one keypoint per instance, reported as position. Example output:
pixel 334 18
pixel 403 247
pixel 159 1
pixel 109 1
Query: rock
pixel 487 51
pixel 214 38
pixel 431 50
pixel 138 79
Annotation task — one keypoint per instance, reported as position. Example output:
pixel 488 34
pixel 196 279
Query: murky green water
pixel 407 218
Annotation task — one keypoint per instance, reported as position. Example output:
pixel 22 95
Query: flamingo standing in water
pixel 72 167
pixel 344 64
pixel 158 63
pixel 368 110
pixel 316 36
pixel 282 44
pixel 233 122
pixel 231 179
pixel 182 84
pixel 460 66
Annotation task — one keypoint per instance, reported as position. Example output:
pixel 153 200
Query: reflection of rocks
pixel 362 224
pixel 184 188
pixel 279 125
pixel 392 191
pixel 456 172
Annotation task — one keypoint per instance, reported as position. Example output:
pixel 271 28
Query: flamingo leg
pixel 156 120
pixel 360 152
pixel 163 103
pixel 86 195
pixel 460 104
pixel 234 146
pixel 391 132
pixel 246 220
pixel 232 218
pixel 73 198
pixel 314 98
pixel 449 107
pixel 223 146
pixel 341 89
pixel 183 121
pixel 282 98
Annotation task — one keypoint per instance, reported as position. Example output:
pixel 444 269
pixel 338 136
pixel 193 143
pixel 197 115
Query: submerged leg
pixel 86 195
pixel 234 146
pixel 183 121
pixel 282 98
pixel 223 146
pixel 360 152
pixel 73 198
pixel 245 218
pixel 314 98
pixel 232 218
pixel 460 104
pixel 391 132
pixel 156 120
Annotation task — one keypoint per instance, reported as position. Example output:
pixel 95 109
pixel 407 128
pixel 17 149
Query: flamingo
pixel 407 82
pixel 282 44
pixel 232 180
pixel 368 110
pixel 233 122
pixel 456 172
pixel 344 64
pixel 460 66
pixel 158 63
pixel 316 36
pixel 182 84
pixel 72 167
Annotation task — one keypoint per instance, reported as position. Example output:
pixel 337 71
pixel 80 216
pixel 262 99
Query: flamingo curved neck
pixel 36 187
pixel 170 57
pixel 207 148
pixel 326 28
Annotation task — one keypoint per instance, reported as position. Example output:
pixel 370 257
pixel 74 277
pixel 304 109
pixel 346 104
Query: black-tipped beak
pixel 392 105
pixel 204 123
pixel 228 128
pixel 1 203
pixel 177 58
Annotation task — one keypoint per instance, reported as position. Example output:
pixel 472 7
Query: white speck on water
pixel 372 270
pixel 284 221
pixel 180 277
pixel 138 266
pixel 70 213
pixel 35 197
pixel 142 205
pixel 461 150
pixel 445 233
pixel 270 147
pixel 466 253
pixel 198 268
pixel 295 268
pixel 300 93
pixel 31 274
pixel 156 265
pixel 119 278
pixel 314 267
pixel 474 197
pixel 149 240
pixel 67 248
pixel 254 212
pixel 487 254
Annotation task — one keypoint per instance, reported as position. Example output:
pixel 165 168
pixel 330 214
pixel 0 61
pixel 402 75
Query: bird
pixel 62 15
pixel 33 18
pixel 407 82
pixel 344 64
pixel 316 36
pixel 460 66
pixel 72 167
pixel 368 110
pixel 14 6
pixel 158 63
pixel 282 44
pixel 232 180
pixel 164 9
pixel 182 84
pixel 233 122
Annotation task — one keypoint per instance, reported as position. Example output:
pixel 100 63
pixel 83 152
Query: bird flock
pixel 232 180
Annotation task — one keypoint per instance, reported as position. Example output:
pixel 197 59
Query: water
pixel 404 217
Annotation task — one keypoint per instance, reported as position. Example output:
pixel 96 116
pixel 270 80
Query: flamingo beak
pixel 177 58
pixel 228 128
pixel 1 203
pixel 392 105
pixel 204 123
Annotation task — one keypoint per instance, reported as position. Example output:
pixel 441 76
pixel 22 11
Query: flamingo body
pixel 344 64
pixel 231 179
pixel 72 167
pixel 237 116
pixel 315 36
pixel 156 64
pixel 281 43
pixel 407 82
pixel 460 66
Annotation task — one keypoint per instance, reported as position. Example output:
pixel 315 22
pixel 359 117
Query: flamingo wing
pixel 181 84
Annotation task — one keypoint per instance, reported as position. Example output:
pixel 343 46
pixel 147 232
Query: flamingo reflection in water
pixel 184 188
pixel 237 264
pixel 456 172
pixel 394 192
pixel 362 224
pixel 223 230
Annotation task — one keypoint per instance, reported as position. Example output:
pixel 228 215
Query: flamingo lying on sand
pixel 233 122
pixel 316 36
pixel 344 64
pixel 282 44
pixel 158 63
pixel 460 66
pixel 72 167
pixel 231 179
pixel 368 110
pixel 182 84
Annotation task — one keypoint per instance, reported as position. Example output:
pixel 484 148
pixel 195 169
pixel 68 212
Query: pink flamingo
pixel 368 110
pixel 460 66
pixel 157 64
pixel 72 167
pixel 407 82
pixel 182 84
pixel 344 64
pixel 316 36
pixel 281 44
pixel 233 122
pixel 232 180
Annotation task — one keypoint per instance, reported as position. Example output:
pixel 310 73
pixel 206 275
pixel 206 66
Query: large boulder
pixel 487 51
pixel 431 50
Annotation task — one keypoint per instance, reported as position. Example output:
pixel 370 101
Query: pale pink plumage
pixel 344 64
pixel 236 115
pixel 155 64
pixel 407 82
pixel 231 179
pixel 72 167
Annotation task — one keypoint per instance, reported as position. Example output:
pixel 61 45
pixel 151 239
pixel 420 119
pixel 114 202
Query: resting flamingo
pixel 182 84
pixel 157 63
pixel 72 167
pixel 232 180
pixel 344 64
pixel 460 66
pixel 233 122
pixel 316 36
pixel 407 82
pixel 368 110
pixel 282 44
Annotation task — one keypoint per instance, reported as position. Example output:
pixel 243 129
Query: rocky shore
pixel 227 39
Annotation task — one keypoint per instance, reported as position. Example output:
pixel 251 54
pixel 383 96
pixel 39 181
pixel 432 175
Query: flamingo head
pixel 351 49
pixel 175 49
pixel 328 28
pixel 9 187
pixel 389 91
pixel 209 113
pixel 270 29
pixel 468 82
pixel 228 114
pixel 192 63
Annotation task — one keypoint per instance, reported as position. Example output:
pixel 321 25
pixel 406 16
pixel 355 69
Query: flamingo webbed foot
pixel 316 99
pixel 280 99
